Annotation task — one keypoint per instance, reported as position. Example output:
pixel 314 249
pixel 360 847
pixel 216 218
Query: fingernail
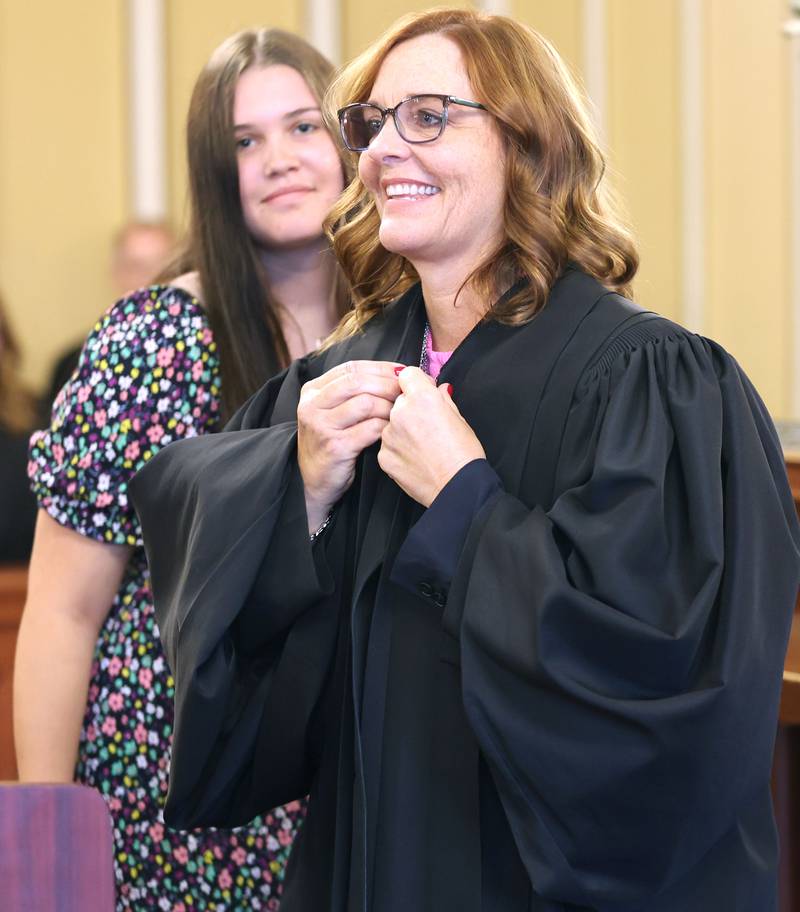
pixel 399 369
pixel 449 388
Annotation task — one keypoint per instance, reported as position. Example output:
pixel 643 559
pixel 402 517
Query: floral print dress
pixel 148 375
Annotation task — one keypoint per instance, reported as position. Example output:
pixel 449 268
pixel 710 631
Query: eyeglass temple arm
pixel 462 101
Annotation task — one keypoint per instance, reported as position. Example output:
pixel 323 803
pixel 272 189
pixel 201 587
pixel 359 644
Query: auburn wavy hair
pixel 557 206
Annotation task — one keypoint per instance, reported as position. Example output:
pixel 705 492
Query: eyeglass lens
pixel 418 119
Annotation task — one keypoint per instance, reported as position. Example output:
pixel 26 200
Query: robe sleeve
pixel 235 679
pixel 622 651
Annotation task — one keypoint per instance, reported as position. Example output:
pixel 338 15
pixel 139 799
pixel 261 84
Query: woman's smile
pixel 401 189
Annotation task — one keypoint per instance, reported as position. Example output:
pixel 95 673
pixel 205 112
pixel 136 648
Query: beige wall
pixel 748 178
pixel 644 150
pixel 63 152
pixel 61 167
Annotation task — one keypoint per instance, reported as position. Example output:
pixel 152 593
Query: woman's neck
pixel 453 309
pixel 303 283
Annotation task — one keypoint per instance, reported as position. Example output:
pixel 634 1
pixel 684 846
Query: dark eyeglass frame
pixel 446 100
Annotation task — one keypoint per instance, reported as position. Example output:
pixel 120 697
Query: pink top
pixel 435 360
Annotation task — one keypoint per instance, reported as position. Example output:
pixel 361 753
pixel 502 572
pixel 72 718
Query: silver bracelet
pixel 315 535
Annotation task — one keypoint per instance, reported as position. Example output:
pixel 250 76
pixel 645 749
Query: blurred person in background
pixel 140 251
pixel 255 287
pixel 17 420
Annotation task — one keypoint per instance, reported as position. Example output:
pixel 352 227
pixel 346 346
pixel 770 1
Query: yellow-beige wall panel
pixel 643 140
pixel 194 29
pixel 560 21
pixel 61 174
pixel 747 164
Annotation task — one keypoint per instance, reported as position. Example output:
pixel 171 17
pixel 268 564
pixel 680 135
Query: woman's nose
pixel 279 156
pixel 388 143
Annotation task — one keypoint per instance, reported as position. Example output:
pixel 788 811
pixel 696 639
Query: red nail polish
pixel 398 370
pixel 449 388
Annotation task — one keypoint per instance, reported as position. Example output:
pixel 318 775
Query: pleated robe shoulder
pixel 582 717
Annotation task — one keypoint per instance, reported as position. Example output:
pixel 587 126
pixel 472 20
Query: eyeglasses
pixel 418 119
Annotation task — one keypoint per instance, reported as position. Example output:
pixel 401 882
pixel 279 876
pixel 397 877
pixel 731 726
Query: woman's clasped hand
pixel 424 440
pixel 427 440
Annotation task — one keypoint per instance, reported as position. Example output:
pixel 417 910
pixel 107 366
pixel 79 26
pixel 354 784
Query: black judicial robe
pixel 579 714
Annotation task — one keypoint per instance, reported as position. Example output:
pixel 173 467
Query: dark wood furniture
pixel 13 585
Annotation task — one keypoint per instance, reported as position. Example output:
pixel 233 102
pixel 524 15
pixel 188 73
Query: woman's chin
pixel 401 242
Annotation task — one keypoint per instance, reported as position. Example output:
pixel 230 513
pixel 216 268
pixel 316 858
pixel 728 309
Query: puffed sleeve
pixel 622 651
pixel 148 374
pixel 248 659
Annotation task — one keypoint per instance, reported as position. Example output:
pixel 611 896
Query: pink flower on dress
pixel 140 734
pixel 109 726
pixel 58 454
pixel 83 393
pixel 174 310
pixel 156 831
pixel 239 856
pixel 181 854
pixel 155 433
pixel 197 370
pixel 85 461
pixel 207 338
pixel 225 880
pixel 132 450
pixel 104 499
pixel 284 837
pixel 116 701
pixel 114 666
pixel 165 356
pixel 145 677
pixel 100 418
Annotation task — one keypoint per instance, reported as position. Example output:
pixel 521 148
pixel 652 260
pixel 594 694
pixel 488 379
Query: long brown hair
pixel 242 311
pixel 557 208
pixel 17 403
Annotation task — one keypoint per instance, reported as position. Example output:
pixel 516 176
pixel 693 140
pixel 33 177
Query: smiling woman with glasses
pixel 510 565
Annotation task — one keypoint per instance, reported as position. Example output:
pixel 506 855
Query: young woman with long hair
pixel 256 286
